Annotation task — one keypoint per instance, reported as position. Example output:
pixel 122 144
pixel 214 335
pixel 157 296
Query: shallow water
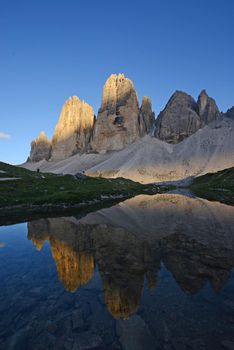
pixel 153 272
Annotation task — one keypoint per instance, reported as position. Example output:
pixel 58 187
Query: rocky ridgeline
pixel 183 116
pixel 121 121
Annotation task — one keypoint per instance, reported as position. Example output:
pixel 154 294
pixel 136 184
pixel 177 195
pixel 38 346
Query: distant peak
pixel 146 101
pixel 72 99
pixel 42 133
pixel 203 92
pixel 117 76
pixel 178 96
pixel 42 136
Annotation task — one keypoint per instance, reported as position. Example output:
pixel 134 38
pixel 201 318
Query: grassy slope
pixel 216 186
pixel 54 190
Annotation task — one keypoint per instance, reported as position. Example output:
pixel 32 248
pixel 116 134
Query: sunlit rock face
pixel 40 148
pixel 183 116
pixel 74 268
pixel 207 109
pixel 118 121
pixel 74 129
pixel 72 256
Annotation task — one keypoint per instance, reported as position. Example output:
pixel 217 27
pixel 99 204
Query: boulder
pixel 74 129
pixel 40 148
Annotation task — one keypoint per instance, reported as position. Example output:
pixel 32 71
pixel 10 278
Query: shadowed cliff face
pixel 182 116
pixel 193 238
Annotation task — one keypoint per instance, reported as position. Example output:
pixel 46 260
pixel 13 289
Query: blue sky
pixel 52 49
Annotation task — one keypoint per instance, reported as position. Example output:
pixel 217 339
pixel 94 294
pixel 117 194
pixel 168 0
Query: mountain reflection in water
pixel 193 238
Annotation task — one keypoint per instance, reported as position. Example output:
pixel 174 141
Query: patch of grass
pixel 215 186
pixel 40 189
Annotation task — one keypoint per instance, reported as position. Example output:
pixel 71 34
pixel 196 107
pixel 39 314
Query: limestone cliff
pixel 178 120
pixel 40 148
pixel 207 109
pixel 121 122
pixel 146 116
pixel 118 122
pixel 73 130
pixel 183 116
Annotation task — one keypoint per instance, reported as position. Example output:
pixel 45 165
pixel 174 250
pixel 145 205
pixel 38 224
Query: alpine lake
pixel 151 272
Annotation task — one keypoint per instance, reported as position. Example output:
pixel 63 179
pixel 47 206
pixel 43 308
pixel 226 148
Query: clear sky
pixel 52 49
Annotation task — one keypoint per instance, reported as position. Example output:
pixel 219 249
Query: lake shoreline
pixel 21 213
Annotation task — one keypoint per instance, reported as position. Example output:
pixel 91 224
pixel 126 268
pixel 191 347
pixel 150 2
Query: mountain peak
pixel 117 121
pixel 203 93
pixel 207 108
pixel 40 148
pixel 73 130
pixel 42 136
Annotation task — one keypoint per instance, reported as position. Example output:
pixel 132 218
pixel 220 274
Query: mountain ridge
pixel 151 160
pixel 188 138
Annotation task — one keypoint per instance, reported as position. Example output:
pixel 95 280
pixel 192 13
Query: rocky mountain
pixel 188 138
pixel 120 121
pixel 74 129
pixel 182 116
pixel 40 148
pixel 207 109
pixel 149 159
pixel 230 113
pixel 146 116
pixel 178 120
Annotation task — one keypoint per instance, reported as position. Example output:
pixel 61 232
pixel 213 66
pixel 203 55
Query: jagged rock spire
pixel 207 108
pixel 146 116
pixel 120 120
pixel 73 130
pixel 40 148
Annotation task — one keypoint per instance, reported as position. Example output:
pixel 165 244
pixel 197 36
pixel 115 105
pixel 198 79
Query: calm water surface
pixel 153 272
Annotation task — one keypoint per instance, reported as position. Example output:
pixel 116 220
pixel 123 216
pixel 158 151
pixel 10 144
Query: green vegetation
pixel 216 186
pixel 45 192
